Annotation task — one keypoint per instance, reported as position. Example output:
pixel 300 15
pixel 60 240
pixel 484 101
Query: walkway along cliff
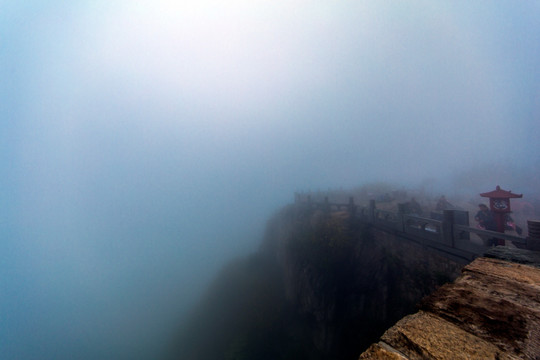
pixel 451 235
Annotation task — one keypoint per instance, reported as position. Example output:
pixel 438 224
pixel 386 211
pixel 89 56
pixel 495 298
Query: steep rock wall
pixel 350 282
pixel 322 286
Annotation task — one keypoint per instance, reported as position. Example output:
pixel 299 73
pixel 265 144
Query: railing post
pixel 461 217
pixel 371 211
pixel 448 227
pixel 402 210
pixel 352 207
pixel 326 206
pixel 533 240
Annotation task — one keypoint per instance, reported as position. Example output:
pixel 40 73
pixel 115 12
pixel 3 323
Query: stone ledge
pixel 383 352
pixel 491 312
pixel 515 255
pixel 445 340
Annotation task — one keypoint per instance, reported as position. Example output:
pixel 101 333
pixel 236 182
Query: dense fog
pixel 143 144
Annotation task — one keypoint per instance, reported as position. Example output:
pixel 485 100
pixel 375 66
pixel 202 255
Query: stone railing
pixel 451 233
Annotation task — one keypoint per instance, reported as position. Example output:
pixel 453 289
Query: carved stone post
pixel 326 206
pixel 461 217
pixel 448 227
pixel 371 211
pixel 352 207
pixel 402 210
pixel 533 240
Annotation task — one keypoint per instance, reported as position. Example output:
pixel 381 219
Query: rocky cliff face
pixel 347 281
pixel 322 286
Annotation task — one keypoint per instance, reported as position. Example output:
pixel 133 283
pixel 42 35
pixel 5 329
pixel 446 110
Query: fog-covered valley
pixel 144 145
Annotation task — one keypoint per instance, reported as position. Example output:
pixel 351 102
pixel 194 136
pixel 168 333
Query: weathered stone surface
pixel 516 255
pixel 444 340
pixel 496 300
pixel 381 351
pixel 491 312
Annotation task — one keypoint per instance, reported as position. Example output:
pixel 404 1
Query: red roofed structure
pixel 499 203
pixel 501 194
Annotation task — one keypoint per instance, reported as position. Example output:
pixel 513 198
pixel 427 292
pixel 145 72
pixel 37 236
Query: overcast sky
pixel 144 143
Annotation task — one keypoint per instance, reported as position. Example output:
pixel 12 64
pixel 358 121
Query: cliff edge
pixel 492 311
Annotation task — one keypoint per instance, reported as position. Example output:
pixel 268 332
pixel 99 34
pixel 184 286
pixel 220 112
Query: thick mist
pixel 145 144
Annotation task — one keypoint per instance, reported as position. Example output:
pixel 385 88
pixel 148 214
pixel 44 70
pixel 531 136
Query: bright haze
pixel 144 143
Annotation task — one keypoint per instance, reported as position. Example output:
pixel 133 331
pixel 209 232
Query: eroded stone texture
pixel 382 352
pixel 491 312
pixel 496 300
pixel 444 341
pixel 515 255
